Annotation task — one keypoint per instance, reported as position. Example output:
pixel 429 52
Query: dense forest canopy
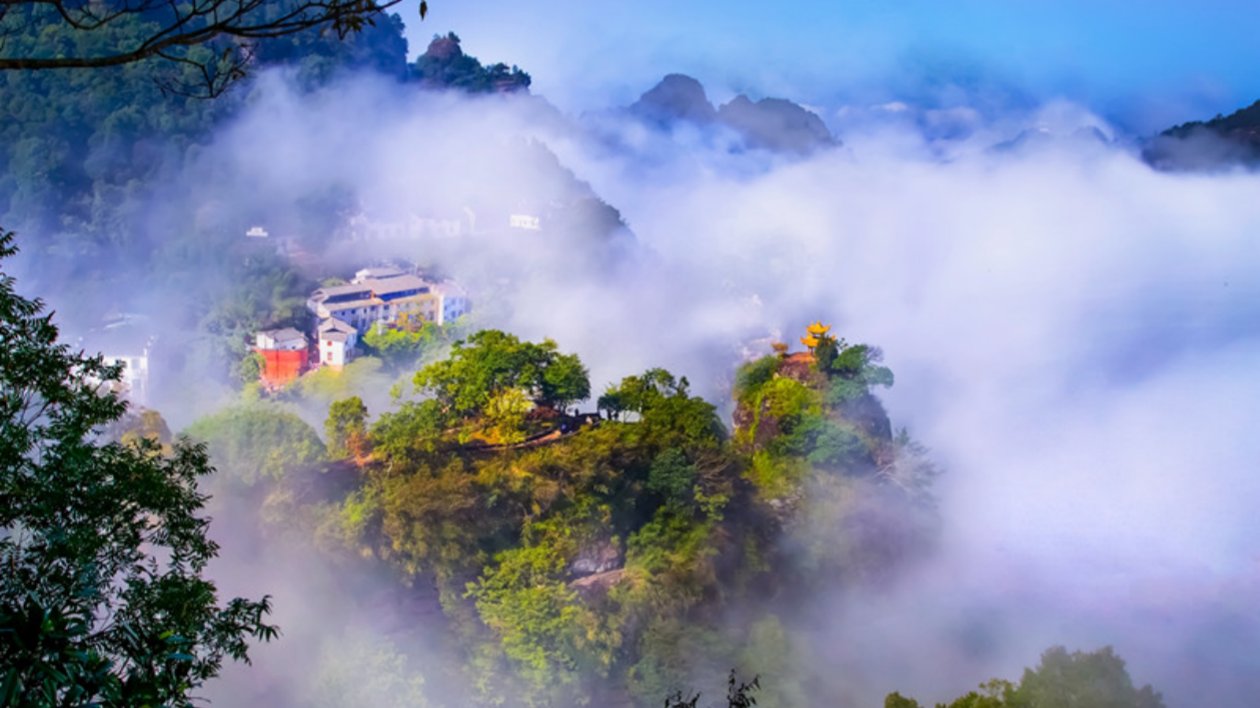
pixel 580 557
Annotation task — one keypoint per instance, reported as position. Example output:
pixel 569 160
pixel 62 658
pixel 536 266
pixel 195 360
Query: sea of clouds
pixel 1075 337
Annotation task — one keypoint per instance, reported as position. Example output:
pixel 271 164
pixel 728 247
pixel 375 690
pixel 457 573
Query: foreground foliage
pixel 1095 679
pixel 102 599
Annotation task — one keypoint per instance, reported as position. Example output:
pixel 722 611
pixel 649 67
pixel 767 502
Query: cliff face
pixel 796 419
pixel 1220 143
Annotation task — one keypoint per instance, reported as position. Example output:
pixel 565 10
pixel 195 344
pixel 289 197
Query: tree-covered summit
pixel 445 65
pixel 1223 142
pixel 593 551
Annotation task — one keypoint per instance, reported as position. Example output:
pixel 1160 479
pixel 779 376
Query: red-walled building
pixel 284 356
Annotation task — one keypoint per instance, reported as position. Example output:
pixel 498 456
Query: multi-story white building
pixel 379 296
pixel 454 302
pixel 373 300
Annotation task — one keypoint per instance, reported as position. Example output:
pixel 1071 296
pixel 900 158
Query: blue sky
pixel 1142 63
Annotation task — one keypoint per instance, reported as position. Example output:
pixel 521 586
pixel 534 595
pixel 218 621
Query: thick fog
pixel 1074 335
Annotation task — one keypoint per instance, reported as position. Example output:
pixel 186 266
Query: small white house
pixel 527 222
pixel 337 340
pixel 286 339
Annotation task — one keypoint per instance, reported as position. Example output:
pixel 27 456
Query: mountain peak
pixel 676 97
pixel 776 124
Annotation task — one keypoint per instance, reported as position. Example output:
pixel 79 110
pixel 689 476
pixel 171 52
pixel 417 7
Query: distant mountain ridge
pixel 677 97
pixel 1222 142
pixel 774 124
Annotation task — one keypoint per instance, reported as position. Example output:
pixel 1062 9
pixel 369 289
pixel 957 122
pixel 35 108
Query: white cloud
pixel 1074 335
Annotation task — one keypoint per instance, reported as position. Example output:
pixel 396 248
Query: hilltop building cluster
pixel 379 297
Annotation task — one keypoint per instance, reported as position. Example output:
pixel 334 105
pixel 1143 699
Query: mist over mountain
pixel 1220 143
pixel 665 442
pixel 1044 139
pixel 773 124
pixel 676 98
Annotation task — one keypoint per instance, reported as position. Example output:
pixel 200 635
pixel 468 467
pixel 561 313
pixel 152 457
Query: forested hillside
pixel 1219 143
pixel 611 557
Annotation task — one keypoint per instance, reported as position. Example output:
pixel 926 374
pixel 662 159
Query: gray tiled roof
pixel 284 334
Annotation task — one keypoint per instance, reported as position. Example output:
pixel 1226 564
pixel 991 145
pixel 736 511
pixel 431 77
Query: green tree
pixel 413 431
pixel 135 425
pixel 565 381
pixel 667 412
pixel 400 347
pixel 490 362
pixel 673 477
pixel 345 430
pixel 257 442
pixel 896 700
pixel 445 65
pixel 102 599
pixel 750 377
pixel 1096 679
pixel 250 368
pixel 506 411
pixel 1078 679
pixel 636 394
pixel 860 362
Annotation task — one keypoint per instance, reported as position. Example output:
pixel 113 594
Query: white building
pixel 388 296
pixel 286 339
pixel 376 273
pixel 336 342
pixel 454 302
pixel 379 297
pixel 527 222
pixel 415 227
pixel 134 383
pixel 363 304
